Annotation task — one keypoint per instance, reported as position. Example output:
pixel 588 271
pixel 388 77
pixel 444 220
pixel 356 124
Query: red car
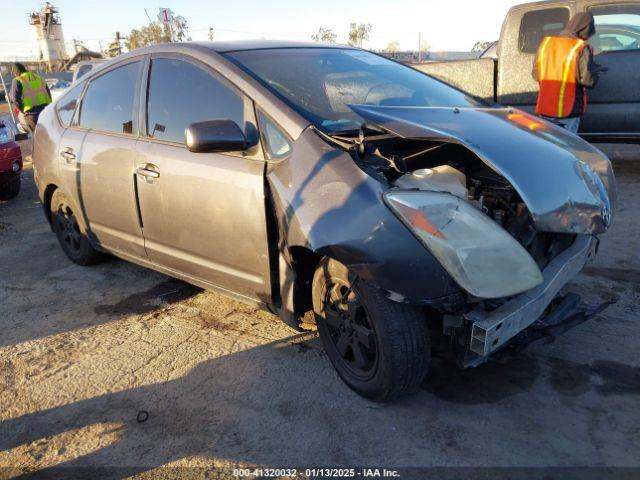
pixel 10 164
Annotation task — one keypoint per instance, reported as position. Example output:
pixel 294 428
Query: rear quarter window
pixel 83 70
pixel 66 107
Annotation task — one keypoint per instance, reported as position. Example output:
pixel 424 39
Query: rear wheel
pixel 73 241
pixel 380 348
pixel 11 189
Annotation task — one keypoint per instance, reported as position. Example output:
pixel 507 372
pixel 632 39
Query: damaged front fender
pixel 326 204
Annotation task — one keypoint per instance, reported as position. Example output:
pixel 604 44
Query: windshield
pixel 321 83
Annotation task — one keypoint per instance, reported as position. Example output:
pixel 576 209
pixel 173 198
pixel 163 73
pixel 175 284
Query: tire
pixel 380 348
pixel 11 189
pixel 72 239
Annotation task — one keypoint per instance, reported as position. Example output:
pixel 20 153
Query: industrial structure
pixel 49 37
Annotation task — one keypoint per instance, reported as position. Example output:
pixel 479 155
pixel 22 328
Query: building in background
pixel 49 38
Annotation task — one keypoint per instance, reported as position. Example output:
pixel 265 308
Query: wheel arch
pixel 304 262
pixel 46 200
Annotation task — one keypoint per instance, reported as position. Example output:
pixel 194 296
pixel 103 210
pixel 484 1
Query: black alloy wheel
pixel 67 225
pixel 380 348
pixel 72 239
pixel 350 330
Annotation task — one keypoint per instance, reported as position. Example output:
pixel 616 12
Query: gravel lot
pixel 84 350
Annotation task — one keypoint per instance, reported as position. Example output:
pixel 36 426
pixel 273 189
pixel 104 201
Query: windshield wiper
pixel 355 139
pixel 363 130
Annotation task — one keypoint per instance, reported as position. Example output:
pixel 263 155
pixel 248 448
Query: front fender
pixel 325 203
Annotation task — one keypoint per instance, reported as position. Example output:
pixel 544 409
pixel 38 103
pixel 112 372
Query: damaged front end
pixel 507 203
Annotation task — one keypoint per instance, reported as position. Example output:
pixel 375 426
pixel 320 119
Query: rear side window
pixel 617 27
pixel 67 105
pixel 538 24
pixel 181 93
pixel 108 103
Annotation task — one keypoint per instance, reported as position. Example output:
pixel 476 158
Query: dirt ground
pixel 83 351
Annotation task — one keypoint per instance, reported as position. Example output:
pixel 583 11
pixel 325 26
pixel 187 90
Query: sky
pixel 444 24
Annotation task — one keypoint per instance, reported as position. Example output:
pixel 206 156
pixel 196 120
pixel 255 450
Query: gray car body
pixel 316 202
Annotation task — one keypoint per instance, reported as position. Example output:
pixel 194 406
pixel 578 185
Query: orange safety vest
pixel 557 75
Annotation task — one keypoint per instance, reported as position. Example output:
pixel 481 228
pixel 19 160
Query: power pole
pixel 115 47
pixel 419 47
pixel 118 45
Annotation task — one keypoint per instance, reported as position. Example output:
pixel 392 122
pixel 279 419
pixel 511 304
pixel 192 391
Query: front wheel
pixel 380 348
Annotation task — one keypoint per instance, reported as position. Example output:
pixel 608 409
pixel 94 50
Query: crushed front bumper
pixel 492 330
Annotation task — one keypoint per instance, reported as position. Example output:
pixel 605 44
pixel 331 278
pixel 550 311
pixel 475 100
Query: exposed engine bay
pixel 449 167
pixel 479 325
pixel 508 205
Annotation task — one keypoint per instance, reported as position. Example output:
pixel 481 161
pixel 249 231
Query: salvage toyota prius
pixel 327 179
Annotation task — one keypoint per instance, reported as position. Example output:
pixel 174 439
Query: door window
pixel 617 27
pixel 538 24
pixel 180 93
pixel 108 104
pixel 66 107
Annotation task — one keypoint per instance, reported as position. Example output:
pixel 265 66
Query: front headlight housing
pixel 480 255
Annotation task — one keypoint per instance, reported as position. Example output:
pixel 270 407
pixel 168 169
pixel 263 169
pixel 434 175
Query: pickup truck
pixel 505 77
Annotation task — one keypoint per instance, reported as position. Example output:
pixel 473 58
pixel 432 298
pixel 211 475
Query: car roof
pixel 239 45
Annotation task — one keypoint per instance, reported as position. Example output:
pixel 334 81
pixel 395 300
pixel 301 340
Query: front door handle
pixel 148 171
pixel 68 154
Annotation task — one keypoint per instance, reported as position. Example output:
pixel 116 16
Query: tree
pixel 425 46
pixel 481 46
pixel 156 32
pixel 150 34
pixel 324 35
pixel 180 29
pixel 358 33
pixel 392 47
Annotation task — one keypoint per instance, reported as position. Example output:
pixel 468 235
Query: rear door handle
pixel 148 171
pixel 68 154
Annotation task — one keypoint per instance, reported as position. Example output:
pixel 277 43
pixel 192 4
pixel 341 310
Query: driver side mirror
pixel 215 136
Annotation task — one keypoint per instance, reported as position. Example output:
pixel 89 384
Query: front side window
pixel 538 24
pixel 108 103
pixel 321 83
pixel 66 107
pixel 617 27
pixel 180 93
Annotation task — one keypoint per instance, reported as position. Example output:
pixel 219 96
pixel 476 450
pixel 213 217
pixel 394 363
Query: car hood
pixel 567 184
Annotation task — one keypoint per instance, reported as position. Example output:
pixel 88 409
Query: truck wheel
pixel 10 189
pixel 380 348
pixel 73 241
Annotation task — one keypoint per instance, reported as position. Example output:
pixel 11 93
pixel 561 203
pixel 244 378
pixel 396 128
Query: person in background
pixel 565 69
pixel 29 95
